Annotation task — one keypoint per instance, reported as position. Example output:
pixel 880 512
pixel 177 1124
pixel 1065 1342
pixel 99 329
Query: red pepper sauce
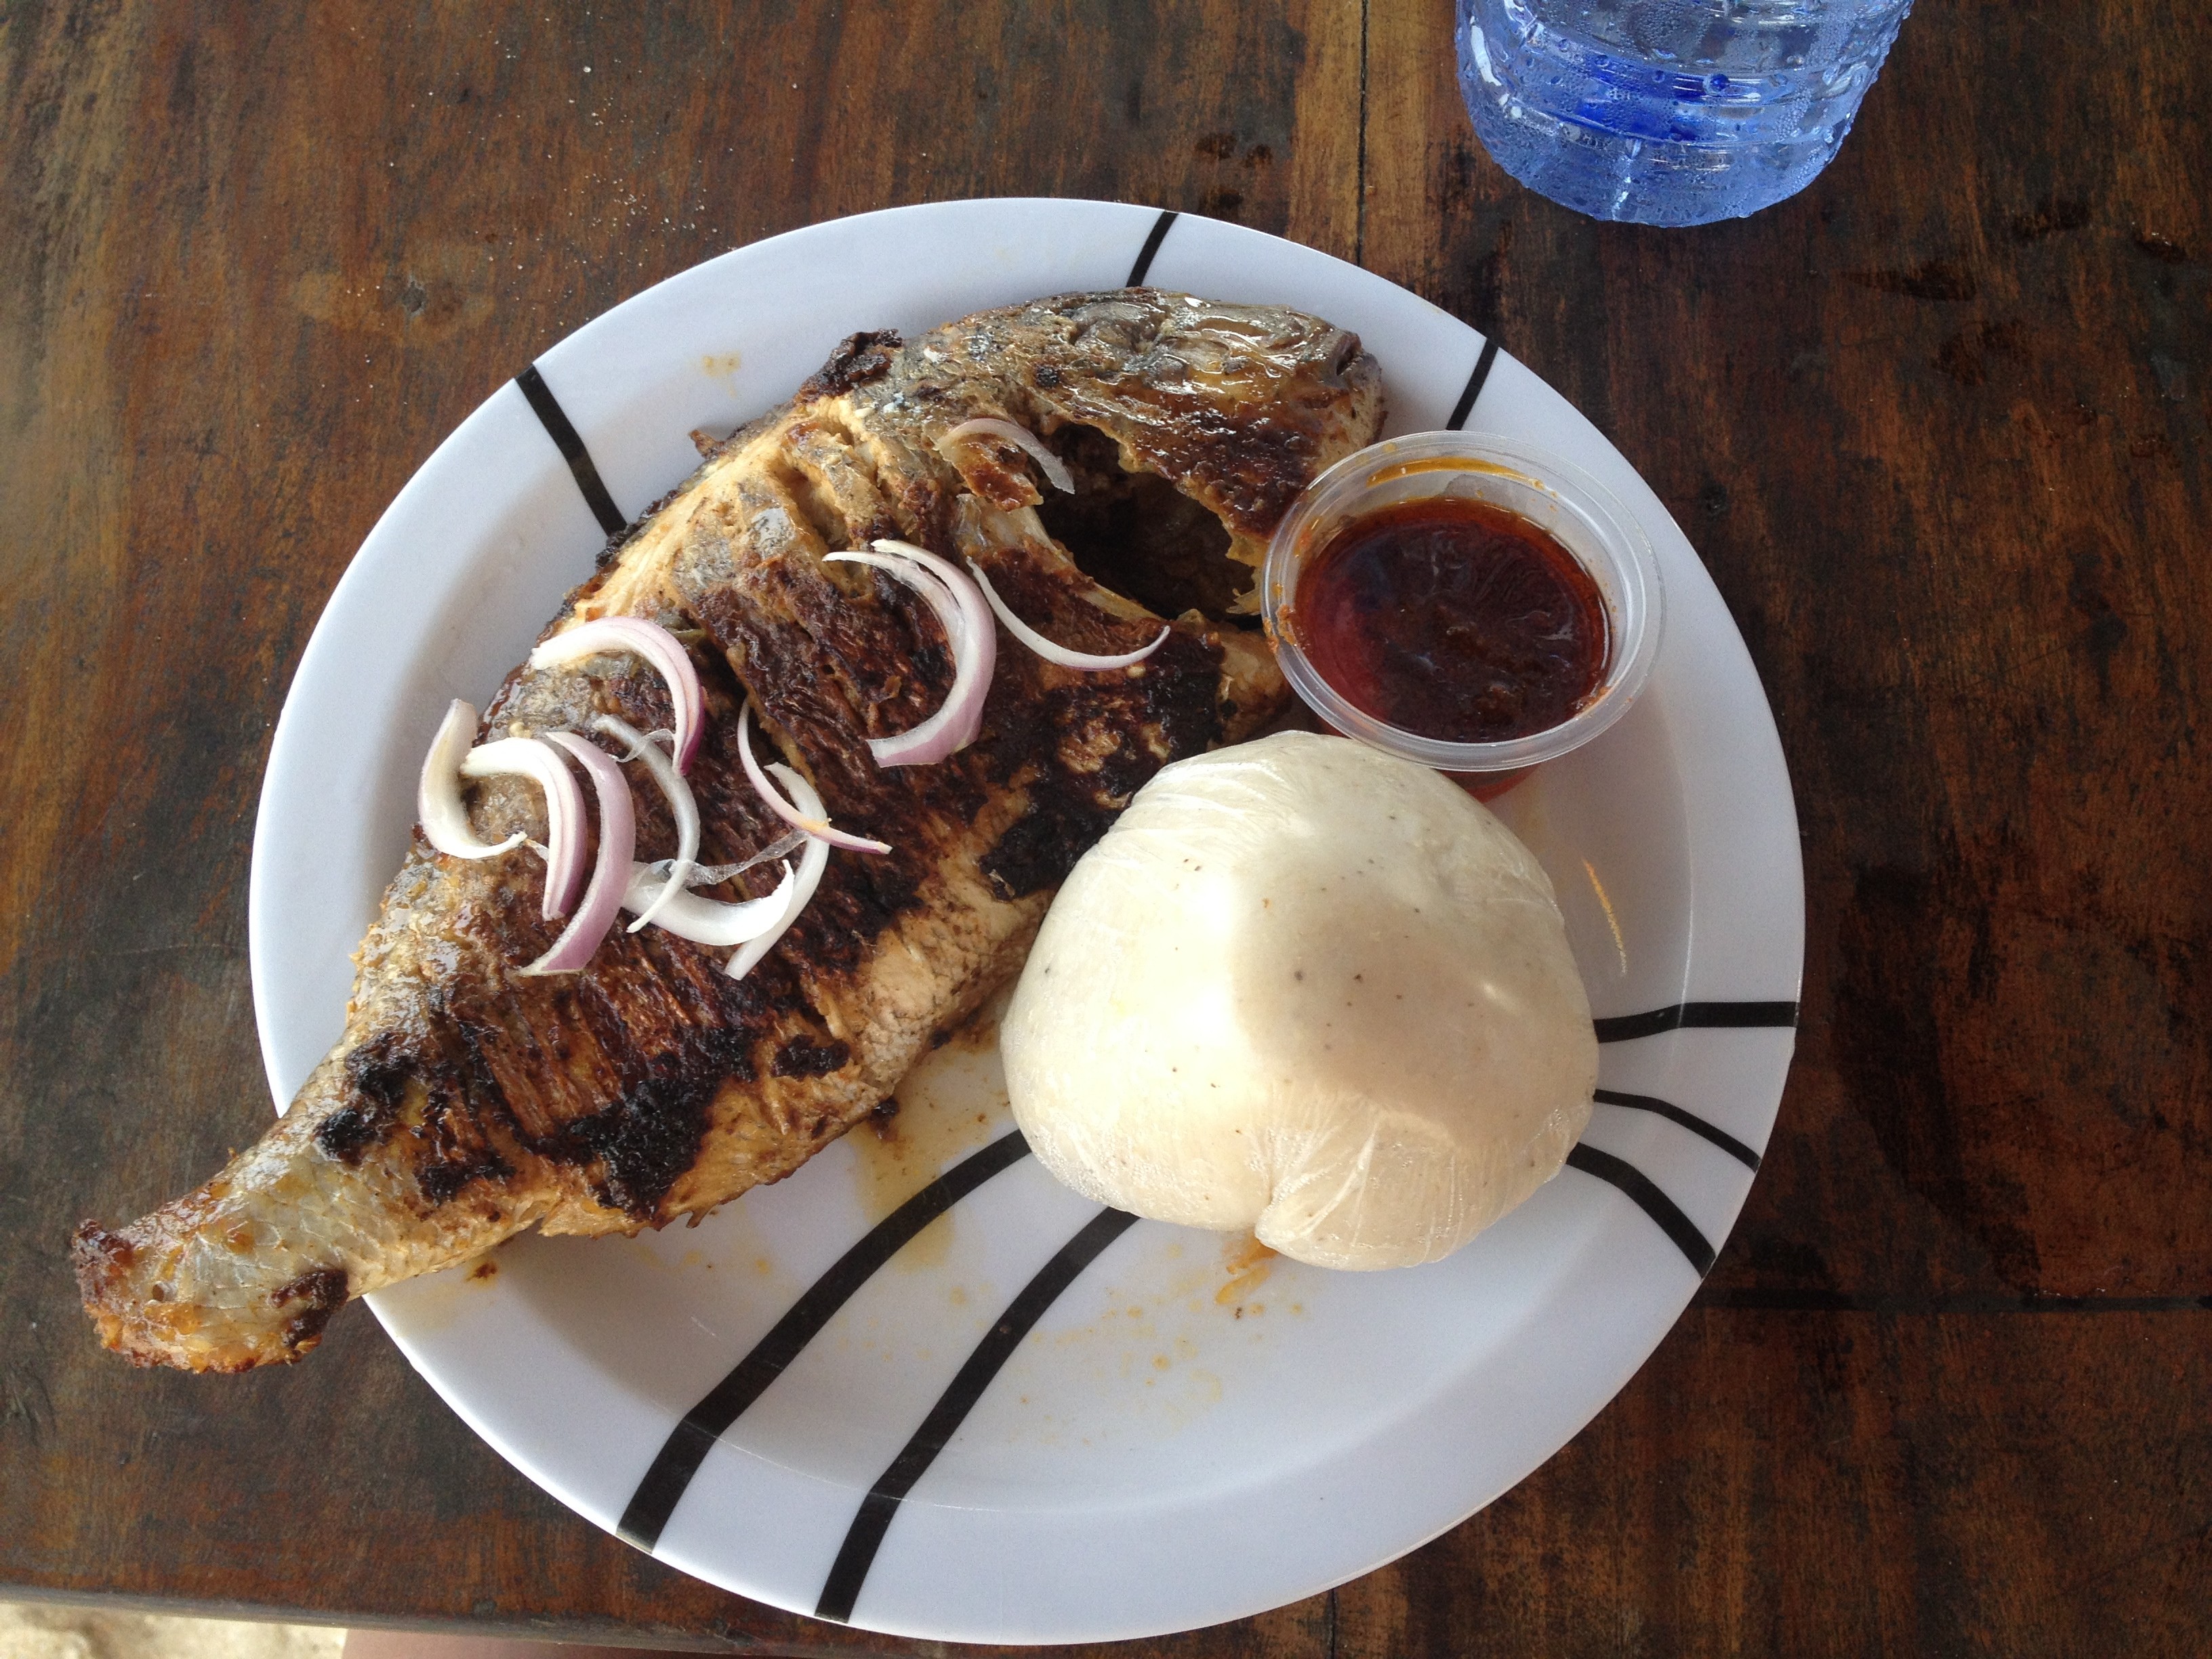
pixel 1454 619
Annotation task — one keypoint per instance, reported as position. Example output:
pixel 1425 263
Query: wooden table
pixel 1938 426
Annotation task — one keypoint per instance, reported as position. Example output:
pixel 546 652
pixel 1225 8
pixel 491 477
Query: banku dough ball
pixel 1309 988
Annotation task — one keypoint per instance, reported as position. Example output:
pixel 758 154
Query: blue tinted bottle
pixel 1669 111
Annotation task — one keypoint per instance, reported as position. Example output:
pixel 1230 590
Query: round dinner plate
pixel 978 1407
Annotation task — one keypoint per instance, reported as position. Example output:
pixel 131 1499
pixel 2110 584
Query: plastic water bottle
pixel 1669 111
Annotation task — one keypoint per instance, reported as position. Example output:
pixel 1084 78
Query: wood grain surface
pixel 1938 427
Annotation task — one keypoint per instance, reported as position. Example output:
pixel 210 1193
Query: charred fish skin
pixel 464 1103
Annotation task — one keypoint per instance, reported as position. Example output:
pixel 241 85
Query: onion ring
pixel 659 647
pixel 812 863
pixel 713 875
pixel 705 920
pixel 682 803
pixel 531 758
pixel 1054 470
pixel 960 607
pixel 438 791
pixel 610 874
pixel 1059 653
pixel 817 827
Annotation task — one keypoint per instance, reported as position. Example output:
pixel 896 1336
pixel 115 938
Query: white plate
pixel 1176 1441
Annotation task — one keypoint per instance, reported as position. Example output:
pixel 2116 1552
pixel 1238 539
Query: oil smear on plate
pixel 952 1103
pixel 1149 1326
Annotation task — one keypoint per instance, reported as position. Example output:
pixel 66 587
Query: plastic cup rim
pixel 1628 579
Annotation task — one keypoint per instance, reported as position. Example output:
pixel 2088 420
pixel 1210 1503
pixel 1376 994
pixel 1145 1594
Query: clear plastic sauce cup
pixel 1559 498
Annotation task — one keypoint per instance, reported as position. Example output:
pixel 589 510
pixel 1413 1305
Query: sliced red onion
pixel 657 646
pixel 960 607
pixel 681 803
pixel 789 842
pixel 815 824
pixel 812 863
pixel 705 920
pixel 1059 653
pixel 610 874
pixel 531 758
pixel 941 598
pixel 713 875
pixel 438 793
pixel 1055 470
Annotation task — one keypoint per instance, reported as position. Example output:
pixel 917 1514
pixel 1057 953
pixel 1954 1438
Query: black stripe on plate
pixel 1690 1121
pixel 865 1537
pixel 670 1473
pixel 1622 1027
pixel 1473 390
pixel 1654 1203
pixel 1160 227
pixel 555 420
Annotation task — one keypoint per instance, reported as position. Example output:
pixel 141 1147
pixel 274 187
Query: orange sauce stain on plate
pixel 1249 1262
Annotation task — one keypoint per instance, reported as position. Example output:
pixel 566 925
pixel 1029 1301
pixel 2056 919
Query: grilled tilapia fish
pixel 465 1104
